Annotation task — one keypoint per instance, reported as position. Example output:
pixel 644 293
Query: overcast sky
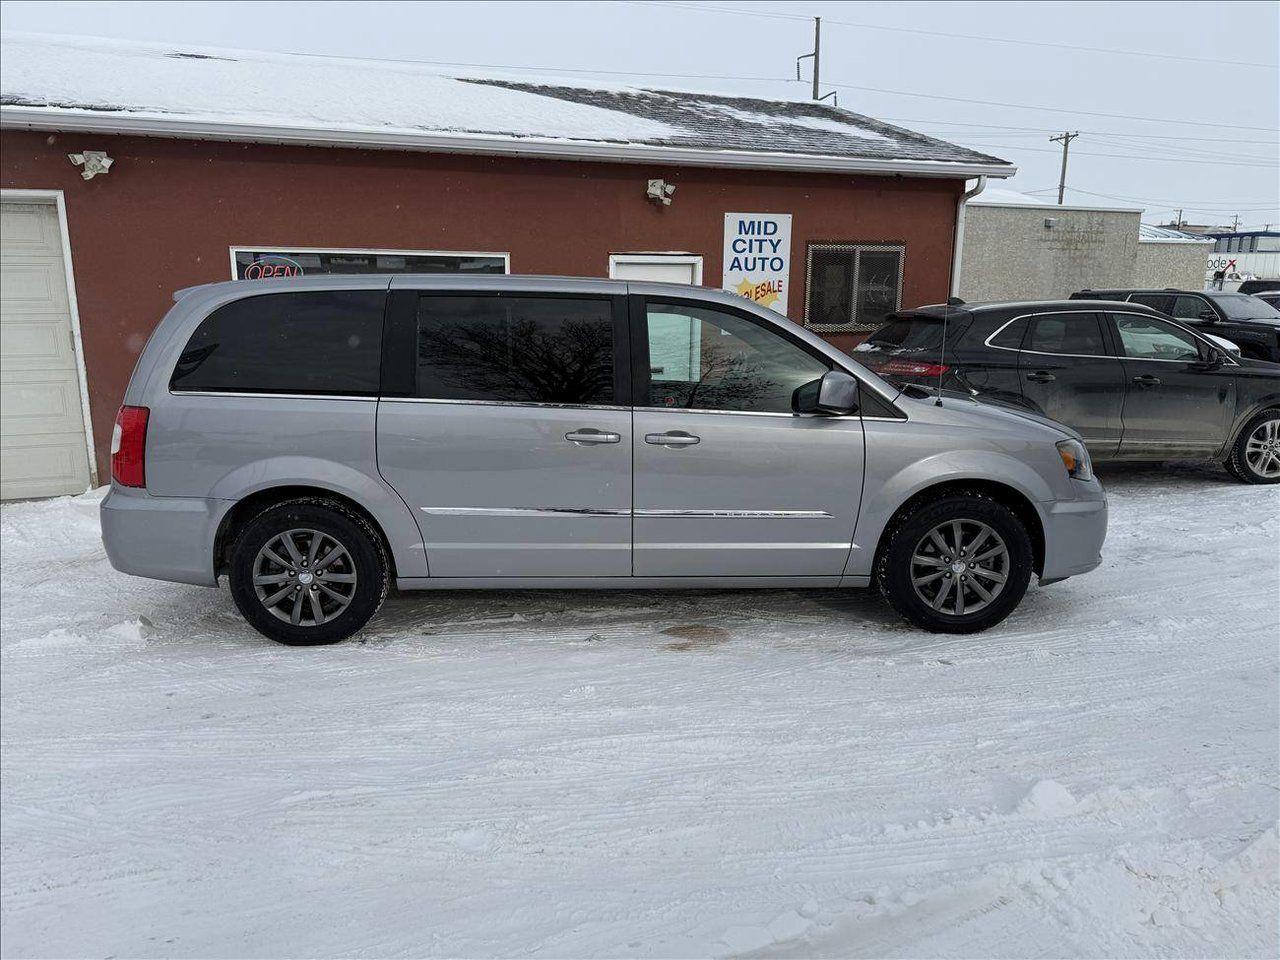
pixel 1186 115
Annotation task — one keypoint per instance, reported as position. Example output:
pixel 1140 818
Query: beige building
pixel 1018 247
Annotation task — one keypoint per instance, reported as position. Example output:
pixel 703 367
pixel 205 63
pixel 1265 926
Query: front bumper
pixel 164 538
pixel 1073 533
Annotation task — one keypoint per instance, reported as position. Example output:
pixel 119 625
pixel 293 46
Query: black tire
pixel 365 558
pixel 894 573
pixel 1237 463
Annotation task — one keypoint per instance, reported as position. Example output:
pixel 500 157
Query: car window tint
pixel 1158 301
pixel 703 359
pixel 1146 338
pixel 1189 308
pixel 326 342
pixel 1010 336
pixel 910 333
pixel 1077 334
pixel 515 349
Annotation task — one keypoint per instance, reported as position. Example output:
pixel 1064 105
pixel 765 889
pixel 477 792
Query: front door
pixel 728 481
pixel 1067 372
pixel 512 444
pixel 1174 404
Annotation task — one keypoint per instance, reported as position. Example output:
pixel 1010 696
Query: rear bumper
pixel 164 538
pixel 1074 531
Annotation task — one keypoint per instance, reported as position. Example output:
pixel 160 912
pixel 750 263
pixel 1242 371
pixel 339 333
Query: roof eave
pixel 153 125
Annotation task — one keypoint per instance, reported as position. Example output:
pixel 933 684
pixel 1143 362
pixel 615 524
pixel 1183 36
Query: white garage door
pixel 42 435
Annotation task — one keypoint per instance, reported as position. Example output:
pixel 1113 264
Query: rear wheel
pixel 1255 456
pixel 959 564
pixel 308 572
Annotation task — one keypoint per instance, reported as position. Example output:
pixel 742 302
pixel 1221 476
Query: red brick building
pixel 833 218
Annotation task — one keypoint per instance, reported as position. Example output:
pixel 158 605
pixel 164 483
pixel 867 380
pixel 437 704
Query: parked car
pixel 1251 323
pixel 1256 287
pixel 1271 297
pixel 1135 384
pixel 318 439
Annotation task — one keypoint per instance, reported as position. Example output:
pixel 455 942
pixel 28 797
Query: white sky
pixel 1227 162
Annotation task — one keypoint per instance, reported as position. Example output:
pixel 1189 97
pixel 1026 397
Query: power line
pixel 997 127
pixel 1132 156
pixel 962 36
pixel 1025 106
pixel 1247 206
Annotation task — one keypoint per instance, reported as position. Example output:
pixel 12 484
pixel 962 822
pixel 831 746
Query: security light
pixel 93 161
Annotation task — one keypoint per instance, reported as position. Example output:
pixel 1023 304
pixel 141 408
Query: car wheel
pixel 308 571
pixel 959 564
pixel 1255 456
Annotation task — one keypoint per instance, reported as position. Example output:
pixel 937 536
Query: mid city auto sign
pixel 757 257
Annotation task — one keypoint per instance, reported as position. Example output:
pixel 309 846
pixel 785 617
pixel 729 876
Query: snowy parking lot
pixel 775 773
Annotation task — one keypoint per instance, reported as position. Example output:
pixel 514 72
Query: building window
pixel 259 263
pixel 852 286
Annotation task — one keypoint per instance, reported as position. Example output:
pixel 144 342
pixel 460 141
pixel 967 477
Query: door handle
pixel 1147 380
pixel 592 435
pixel 1041 377
pixel 676 438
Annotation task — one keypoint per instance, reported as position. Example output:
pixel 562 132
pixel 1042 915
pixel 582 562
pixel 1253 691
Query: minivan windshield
pixel 1245 306
pixel 909 333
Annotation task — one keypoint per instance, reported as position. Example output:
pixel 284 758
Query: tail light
pixel 914 368
pixel 129 447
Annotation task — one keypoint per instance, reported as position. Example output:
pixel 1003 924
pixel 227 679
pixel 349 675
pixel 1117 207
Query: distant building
pixel 1019 247
pixel 1245 255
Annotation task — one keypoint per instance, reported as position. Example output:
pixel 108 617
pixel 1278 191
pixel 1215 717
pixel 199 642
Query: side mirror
pixel 835 392
pixel 1207 315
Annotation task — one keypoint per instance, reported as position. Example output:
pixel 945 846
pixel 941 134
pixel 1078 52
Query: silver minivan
pixel 317 440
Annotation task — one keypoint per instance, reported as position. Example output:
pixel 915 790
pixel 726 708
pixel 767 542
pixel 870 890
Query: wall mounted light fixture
pixel 659 191
pixel 93 161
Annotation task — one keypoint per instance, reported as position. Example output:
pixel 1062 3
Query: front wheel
pixel 959 564
pixel 308 571
pixel 1255 456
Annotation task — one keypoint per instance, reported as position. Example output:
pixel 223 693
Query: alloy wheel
pixel 960 567
pixel 1262 449
pixel 304 577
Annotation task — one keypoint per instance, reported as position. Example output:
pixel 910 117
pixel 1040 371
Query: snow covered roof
pixel 1004 197
pixel 113 86
pixel 1152 234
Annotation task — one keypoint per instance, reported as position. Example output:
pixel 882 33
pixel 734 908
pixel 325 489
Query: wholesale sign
pixel 757 257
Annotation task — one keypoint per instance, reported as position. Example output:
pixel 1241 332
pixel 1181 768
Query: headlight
pixel 1076 459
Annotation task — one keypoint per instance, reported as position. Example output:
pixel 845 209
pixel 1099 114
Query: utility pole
pixel 1065 139
pixel 1178 223
pixel 1235 223
pixel 816 56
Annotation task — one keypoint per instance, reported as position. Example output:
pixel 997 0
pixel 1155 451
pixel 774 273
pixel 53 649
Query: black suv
pixel 1135 384
pixel 1252 324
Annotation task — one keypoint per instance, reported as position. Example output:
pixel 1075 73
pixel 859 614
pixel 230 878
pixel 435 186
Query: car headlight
pixel 1076 459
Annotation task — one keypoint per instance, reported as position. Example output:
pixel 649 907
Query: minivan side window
pixel 1146 338
pixel 704 359
pixel 310 342
pixel 1069 334
pixel 522 349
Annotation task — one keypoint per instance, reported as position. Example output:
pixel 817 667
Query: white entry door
pixel 43 452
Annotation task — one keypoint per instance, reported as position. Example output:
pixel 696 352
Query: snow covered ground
pixel 777 773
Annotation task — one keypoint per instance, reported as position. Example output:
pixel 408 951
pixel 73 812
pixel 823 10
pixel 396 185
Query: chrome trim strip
pixel 736 514
pixel 1096 356
pixel 507 403
pixel 524 512
pixel 274 396
pixel 711 545
pixel 611 512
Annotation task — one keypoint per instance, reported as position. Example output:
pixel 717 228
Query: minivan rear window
pixel 516 349
pixel 309 342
